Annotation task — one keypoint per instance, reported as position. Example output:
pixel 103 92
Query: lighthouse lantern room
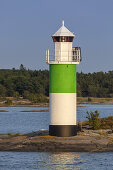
pixel 62 84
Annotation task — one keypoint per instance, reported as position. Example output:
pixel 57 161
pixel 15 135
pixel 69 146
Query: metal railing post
pixel 48 56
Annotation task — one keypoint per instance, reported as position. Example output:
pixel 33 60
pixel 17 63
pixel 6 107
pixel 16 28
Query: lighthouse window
pixel 70 39
pixel 67 39
pixel 63 39
pixel 56 39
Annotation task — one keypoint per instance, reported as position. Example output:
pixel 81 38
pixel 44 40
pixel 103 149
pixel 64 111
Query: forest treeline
pixel 34 84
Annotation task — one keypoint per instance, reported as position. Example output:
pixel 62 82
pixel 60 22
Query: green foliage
pixel 36 98
pixel 93 118
pixel 111 121
pixel 95 85
pixel 89 99
pixel 8 102
pixel 9 134
pixel 2 90
pixel 106 123
pixel 22 68
pixel 13 135
pixel 31 84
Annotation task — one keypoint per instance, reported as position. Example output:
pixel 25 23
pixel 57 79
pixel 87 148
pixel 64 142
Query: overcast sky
pixel 26 27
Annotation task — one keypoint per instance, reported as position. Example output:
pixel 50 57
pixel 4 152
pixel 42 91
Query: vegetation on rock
pixel 94 122
pixel 93 118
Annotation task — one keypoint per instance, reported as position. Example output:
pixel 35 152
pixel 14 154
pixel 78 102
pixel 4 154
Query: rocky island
pixel 40 141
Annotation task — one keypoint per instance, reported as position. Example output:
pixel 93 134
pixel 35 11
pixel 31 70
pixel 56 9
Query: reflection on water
pixel 62 160
pixel 56 161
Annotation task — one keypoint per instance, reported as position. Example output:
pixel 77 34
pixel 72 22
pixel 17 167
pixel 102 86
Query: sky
pixel 26 27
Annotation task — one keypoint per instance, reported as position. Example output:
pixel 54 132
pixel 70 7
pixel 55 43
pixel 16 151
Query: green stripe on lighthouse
pixel 62 78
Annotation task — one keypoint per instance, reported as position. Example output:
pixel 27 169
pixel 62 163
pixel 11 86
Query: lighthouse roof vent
pixel 63 31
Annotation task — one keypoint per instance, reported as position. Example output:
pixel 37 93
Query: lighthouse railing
pixel 63 56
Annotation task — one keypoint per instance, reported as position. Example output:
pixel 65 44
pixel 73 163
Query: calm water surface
pixel 17 121
pixel 55 161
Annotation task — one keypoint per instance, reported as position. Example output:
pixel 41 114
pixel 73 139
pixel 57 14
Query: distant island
pixel 32 86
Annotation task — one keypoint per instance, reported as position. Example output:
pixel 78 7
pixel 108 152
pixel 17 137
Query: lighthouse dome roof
pixel 63 31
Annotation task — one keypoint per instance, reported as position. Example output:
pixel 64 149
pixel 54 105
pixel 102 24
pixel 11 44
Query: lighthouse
pixel 62 84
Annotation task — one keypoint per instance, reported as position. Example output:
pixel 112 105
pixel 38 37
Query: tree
pixel 2 90
pixel 22 67
pixel 93 119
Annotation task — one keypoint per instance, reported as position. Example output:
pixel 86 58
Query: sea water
pixel 56 161
pixel 15 120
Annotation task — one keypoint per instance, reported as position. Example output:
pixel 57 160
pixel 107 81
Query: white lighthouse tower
pixel 62 84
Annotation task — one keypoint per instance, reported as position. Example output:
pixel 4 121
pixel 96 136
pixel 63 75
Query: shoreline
pixel 47 105
pixel 36 105
pixel 40 141
pixel 81 101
